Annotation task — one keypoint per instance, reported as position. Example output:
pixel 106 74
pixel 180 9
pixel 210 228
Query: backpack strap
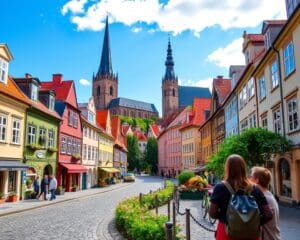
pixel 229 188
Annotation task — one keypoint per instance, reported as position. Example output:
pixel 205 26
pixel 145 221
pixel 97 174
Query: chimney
pixel 57 78
pixel 28 75
pixel 220 77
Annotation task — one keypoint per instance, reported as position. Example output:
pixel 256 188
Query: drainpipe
pixel 256 99
pixel 281 90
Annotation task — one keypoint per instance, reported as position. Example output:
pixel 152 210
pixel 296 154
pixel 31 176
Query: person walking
pixel 44 184
pixel 262 177
pixel 52 187
pixel 235 179
pixel 36 186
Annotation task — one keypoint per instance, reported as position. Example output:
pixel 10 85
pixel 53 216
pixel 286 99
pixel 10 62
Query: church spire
pixel 105 67
pixel 169 63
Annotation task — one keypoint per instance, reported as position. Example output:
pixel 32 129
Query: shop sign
pixel 40 154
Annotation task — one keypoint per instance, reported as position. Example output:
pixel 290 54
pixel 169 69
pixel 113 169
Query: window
pixel 91 117
pixel 264 122
pixel 42 139
pixel 252 121
pixel 244 124
pixel 69 146
pixel 262 88
pixel 3 127
pixel 290 5
pixel 289 61
pixel 274 74
pixel 173 92
pixel 111 91
pixel 63 146
pixel 247 56
pixel 75 120
pixel 251 88
pixel 50 138
pixel 98 91
pixel 84 151
pixel 277 121
pixel 31 134
pixel 292 114
pixel 3 70
pixel 89 153
pixel 12 180
pixel 51 102
pixel 16 125
pixel 34 92
pixel 70 118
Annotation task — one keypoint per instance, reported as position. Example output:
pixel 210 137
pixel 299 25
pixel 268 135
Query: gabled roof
pixel 222 87
pixel 40 106
pixel 155 129
pixel 8 56
pixel 116 132
pixel 12 90
pixel 62 90
pixel 187 94
pixel 85 120
pixel 200 105
pixel 130 103
pixel 267 23
pixel 125 128
pixel 102 117
pixel 140 135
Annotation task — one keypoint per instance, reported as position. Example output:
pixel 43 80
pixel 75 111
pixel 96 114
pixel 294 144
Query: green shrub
pixel 184 176
pixel 137 222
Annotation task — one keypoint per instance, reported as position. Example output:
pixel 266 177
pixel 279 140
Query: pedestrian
pixel 211 178
pixel 44 187
pixel 52 187
pixel 36 186
pixel 235 177
pixel 262 177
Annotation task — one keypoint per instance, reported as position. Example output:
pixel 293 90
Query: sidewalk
pixel 26 205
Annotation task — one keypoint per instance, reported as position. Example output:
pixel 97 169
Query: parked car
pixel 129 177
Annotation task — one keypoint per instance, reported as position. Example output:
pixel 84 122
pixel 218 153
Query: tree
pixel 151 155
pixel 134 153
pixel 255 145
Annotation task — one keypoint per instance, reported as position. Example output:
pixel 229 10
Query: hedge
pixel 137 222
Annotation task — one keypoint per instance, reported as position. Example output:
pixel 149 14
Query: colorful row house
pixel 69 168
pixel 13 106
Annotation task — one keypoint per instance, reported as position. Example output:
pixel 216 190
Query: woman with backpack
pixel 239 205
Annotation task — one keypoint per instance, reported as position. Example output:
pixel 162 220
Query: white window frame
pixel 264 122
pixel 69 146
pixel 16 131
pixel 51 102
pixel 31 134
pixel 289 58
pixel 34 92
pixel 293 118
pixel 63 145
pixel 3 127
pixel 250 88
pixel 274 74
pixel 42 134
pixel 277 120
pixel 252 120
pixel 50 138
pixel 262 87
pixel 3 70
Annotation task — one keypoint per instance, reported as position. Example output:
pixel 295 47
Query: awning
pixel 110 170
pixel 198 169
pixel 74 168
pixel 12 165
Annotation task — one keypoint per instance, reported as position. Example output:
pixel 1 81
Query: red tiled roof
pixel 155 129
pixel 255 37
pixel 200 105
pixel 40 106
pixel 140 135
pixel 125 129
pixel 222 87
pixel 116 132
pixel 12 90
pixel 101 118
pixel 61 90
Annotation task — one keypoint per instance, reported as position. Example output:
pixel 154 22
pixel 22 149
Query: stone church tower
pixel 169 86
pixel 105 83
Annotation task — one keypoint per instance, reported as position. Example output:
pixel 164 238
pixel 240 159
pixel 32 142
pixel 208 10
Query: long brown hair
pixel 235 173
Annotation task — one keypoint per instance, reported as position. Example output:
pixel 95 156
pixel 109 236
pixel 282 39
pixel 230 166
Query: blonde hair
pixel 263 175
pixel 235 173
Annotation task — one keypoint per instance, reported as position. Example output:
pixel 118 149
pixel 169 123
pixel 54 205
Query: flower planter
pixel 197 195
pixel 13 198
pixel 61 192
pixel 2 200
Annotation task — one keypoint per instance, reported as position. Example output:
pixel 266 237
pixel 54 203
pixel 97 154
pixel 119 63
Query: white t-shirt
pixel 271 230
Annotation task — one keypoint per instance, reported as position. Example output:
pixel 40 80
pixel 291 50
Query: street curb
pixel 59 201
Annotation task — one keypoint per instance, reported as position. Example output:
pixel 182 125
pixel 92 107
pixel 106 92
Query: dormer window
pixel 3 70
pixel 34 92
pixel 267 38
pixel 247 56
pixel 51 102
pixel 91 117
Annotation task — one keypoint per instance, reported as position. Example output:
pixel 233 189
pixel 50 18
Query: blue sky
pixel 65 36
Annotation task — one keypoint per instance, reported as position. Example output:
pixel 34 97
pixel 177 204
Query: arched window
pixel 285 174
pixel 98 91
pixel 173 92
pixel 124 112
pixel 111 91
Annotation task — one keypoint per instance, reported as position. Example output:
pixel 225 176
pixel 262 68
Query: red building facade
pixel 69 166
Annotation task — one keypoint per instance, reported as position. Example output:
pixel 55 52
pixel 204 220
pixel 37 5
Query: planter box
pixel 2 200
pixel 13 198
pixel 62 192
pixel 198 195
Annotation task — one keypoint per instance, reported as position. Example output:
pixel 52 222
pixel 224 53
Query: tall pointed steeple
pixel 105 67
pixel 169 63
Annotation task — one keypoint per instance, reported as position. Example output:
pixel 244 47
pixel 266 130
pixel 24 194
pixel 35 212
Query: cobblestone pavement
pixel 90 217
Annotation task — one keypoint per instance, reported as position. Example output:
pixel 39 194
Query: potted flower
pixel 29 194
pixel 76 156
pixel 12 197
pixel 33 146
pixel 2 199
pixel 193 188
pixel 28 183
pixel 60 190
pixel 51 150
pixel 74 188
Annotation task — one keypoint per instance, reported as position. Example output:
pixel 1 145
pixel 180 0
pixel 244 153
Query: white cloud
pixel 74 6
pixel 228 55
pixel 176 15
pixel 136 29
pixel 84 82
pixel 199 83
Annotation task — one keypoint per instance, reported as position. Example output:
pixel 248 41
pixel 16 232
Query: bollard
pixel 188 225
pixel 169 226
pixel 169 210
pixel 140 198
pixel 174 220
pixel 156 204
